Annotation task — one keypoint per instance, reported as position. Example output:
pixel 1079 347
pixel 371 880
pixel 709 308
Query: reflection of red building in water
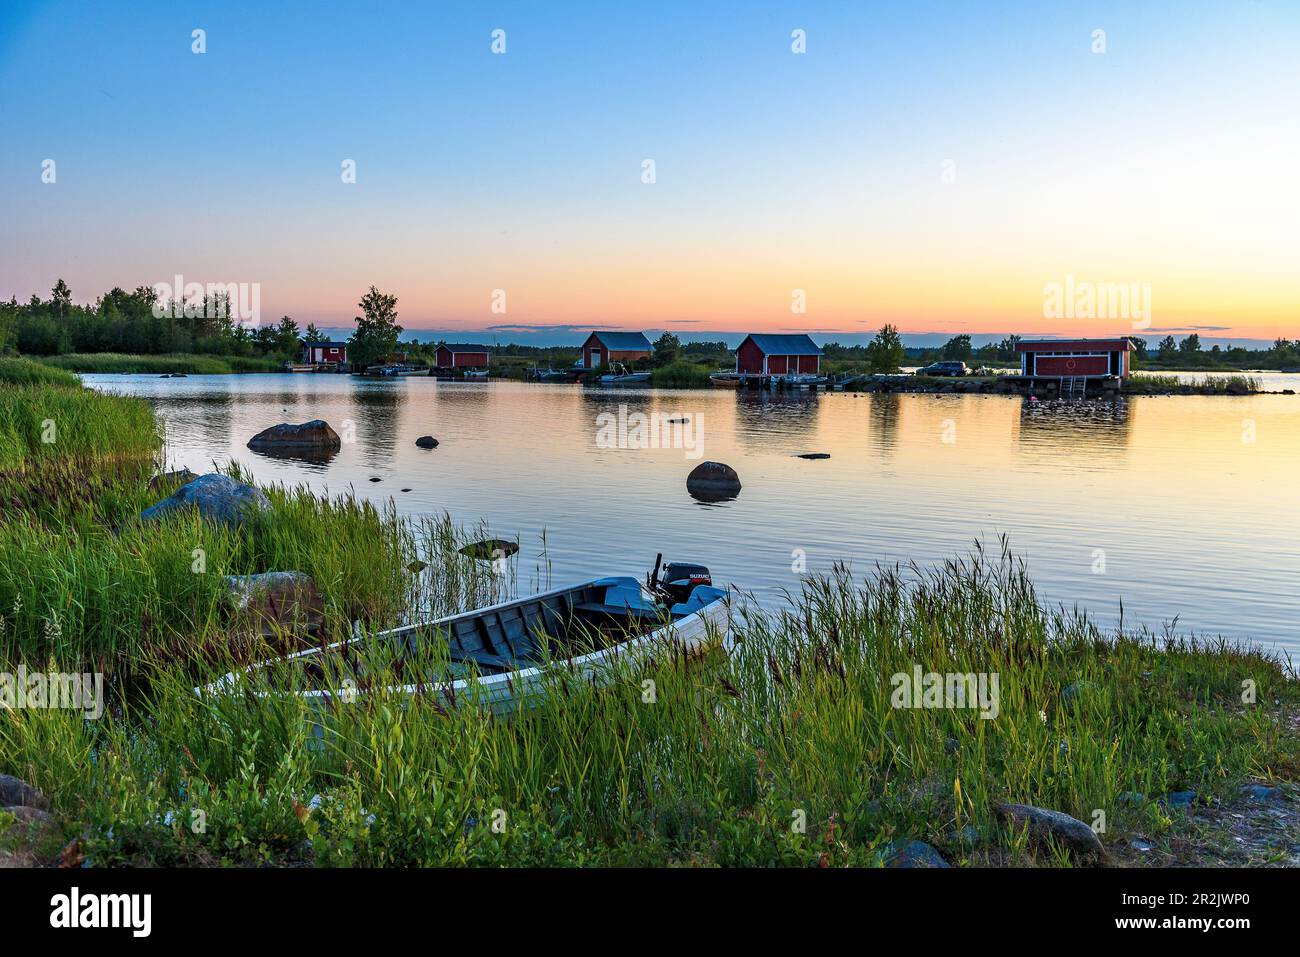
pixel 1083 358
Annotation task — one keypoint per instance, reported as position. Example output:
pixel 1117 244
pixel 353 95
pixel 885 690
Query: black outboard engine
pixel 680 578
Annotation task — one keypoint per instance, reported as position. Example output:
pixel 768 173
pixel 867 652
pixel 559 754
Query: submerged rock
pixel 713 481
pixel 814 455
pixel 427 442
pixel 216 497
pixel 310 440
pixel 490 548
pixel 912 854
pixel 15 792
pixel 1044 824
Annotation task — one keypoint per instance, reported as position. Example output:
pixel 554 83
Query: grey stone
pixel 1261 792
pixel 1180 799
pixel 1043 824
pixel 216 497
pixel 912 854
pixel 310 440
pixel 427 442
pixel 713 481
pixel 15 792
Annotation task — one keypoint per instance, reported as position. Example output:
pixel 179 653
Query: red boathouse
pixel 456 355
pixel 324 353
pixel 609 347
pixel 780 354
pixel 1080 358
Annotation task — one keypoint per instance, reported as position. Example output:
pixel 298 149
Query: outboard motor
pixel 680 578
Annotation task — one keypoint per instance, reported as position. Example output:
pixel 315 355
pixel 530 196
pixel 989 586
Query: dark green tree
pixel 377 329
pixel 885 351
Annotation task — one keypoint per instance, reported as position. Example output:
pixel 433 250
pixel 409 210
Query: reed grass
pixel 188 364
pixel 681 375
pixel 786 751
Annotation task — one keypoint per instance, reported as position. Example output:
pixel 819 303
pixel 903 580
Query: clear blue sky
pixel 1166 160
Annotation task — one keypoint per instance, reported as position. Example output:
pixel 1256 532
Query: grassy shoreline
pixel 791 750
pixel 186 364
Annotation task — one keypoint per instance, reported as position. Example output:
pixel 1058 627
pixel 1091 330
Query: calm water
pixel 1192 500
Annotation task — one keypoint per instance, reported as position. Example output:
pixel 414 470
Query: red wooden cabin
pixel 1084 358
pixel 609 347
pixel 780 354
pixel 456 355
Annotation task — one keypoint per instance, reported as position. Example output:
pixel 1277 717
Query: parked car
pixel 944 368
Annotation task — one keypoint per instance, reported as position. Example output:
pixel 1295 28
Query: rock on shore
pixel 216 497
pixel 1044 824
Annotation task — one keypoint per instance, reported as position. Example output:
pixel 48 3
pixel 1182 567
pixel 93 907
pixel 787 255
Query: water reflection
pixel 910 477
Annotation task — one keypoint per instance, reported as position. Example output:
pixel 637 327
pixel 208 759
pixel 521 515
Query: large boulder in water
pixel 490 549
pixel 314 439
pixel 427 442
pixel 216 497
pixel 713 481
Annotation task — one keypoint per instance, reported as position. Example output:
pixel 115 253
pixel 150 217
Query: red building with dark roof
pixel 1077 358
pixel 778 354
pixel 457 355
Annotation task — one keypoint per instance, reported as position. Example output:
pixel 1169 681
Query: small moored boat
pixel 499 656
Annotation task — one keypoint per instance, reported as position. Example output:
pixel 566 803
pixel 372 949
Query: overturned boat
pixel 504 656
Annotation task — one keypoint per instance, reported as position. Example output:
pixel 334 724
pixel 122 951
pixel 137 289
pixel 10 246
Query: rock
pixel 164 480
pixel 427 442
pixel 1078 689
pixel 406 490
pixel 1261 792
pixel 311 440
pixel 375 478
pixel 1180 800
pixel 912 854
pixel 30 838
pixel 713 481
pixel 15 792
pixel 1132 798
pixel 217 497
pixel 1138 844
pixel 951 745
pixel 417 566
pixel 814 455
pixel 1044 824
pixel 277 602
pixel 490 548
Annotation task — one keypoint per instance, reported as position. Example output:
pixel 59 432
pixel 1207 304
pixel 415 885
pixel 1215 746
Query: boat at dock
pixel 504 657
pixel 724 380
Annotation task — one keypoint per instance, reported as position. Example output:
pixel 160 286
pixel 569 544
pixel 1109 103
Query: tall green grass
pixel 115 362
pixel 44 423
pixel 681 375
pixel 787 751
pixel 16 371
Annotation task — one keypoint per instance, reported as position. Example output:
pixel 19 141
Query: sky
pixel 946 167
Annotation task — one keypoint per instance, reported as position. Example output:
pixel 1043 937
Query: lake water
pixel 1176 506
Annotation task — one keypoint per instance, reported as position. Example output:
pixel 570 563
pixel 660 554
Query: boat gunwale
pixel 229 681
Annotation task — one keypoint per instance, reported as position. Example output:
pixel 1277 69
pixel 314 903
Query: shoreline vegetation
pixel 791 750
pixel 137 332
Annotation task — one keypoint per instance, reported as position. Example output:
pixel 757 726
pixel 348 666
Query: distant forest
pixel 137 323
